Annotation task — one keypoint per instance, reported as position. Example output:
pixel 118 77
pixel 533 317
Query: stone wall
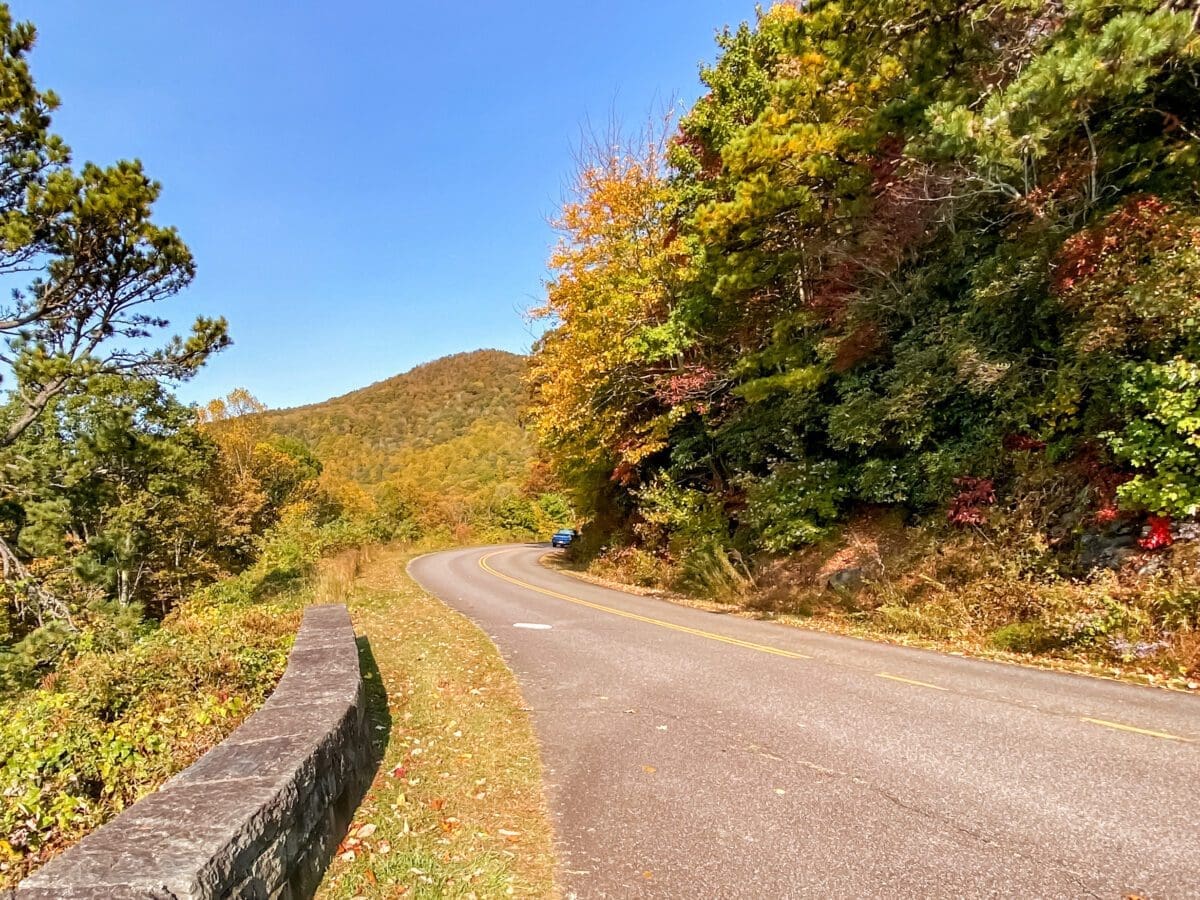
pixel 259 815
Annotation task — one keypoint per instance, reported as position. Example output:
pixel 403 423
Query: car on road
pixel 564 537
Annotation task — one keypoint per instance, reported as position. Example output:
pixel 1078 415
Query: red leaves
pixel 693 383
pixel 1158 533
pixel 967 507
pixel 1023 443
pixel 625 473
pixel 860 344
pixel 1139 223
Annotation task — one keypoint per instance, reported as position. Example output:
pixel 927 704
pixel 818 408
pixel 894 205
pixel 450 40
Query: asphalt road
pixel 691 754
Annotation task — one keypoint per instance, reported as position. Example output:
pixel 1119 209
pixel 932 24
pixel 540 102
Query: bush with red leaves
pixel 1158 533
pixel 967 507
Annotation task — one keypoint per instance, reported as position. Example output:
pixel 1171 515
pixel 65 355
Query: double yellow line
pixel 761 648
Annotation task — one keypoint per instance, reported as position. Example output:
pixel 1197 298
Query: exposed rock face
pixel 1110 548
pixel 847 581
pixel 258 816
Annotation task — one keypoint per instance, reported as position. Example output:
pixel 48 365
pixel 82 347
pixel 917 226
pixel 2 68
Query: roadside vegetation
pixel 154 556
pixel 135 702
pixel 924 270
pixel 438 450
pixel 456 809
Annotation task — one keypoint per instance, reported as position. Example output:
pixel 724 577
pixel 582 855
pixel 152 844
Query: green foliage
pixel 114 723
pixel 118 506
pixel 97 259
pixel 897 248
pixel 794 505
pixel 34 655
pixel 1161 438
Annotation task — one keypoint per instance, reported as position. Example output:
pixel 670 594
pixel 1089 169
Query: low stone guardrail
pixel 260 814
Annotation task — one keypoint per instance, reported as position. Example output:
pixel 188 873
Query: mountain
pixel 449 424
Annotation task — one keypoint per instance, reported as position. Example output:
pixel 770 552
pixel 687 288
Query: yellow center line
pixel 761 648
pixel 1146 731
pixel 924 684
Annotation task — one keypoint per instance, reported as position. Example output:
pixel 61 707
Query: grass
pixel 456 808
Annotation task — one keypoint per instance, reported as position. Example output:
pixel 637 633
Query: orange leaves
pixel 354 844
pixel 617 269
pixel 1141 221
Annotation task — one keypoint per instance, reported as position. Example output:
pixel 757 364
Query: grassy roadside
pixel 831 620
pixel 456 808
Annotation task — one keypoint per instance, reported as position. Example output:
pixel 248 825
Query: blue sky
pixel 365 184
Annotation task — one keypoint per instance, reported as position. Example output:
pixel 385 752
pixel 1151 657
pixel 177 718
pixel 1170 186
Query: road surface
pixel 692 754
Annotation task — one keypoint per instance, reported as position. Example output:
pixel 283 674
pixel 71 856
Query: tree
pixel 895 239
pixel 598 374
pixel 106 495
pixel 94 260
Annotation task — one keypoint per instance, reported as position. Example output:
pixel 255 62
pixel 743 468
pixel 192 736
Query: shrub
pixel 109 726
pixel 1025 637
pixel 795 504
pixel 1162 438
pixel 634 565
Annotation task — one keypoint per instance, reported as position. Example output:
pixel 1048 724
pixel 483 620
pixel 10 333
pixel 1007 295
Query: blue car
pixel 564 537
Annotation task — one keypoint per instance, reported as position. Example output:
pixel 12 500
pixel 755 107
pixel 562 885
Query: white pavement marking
pixel 535 626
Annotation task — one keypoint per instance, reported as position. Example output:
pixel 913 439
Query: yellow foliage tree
pixel 616 271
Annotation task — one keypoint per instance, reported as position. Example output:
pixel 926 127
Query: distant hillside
pixel 451 423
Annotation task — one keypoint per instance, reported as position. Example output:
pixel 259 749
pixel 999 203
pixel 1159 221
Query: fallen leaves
pixel 454 767
pixel 352 846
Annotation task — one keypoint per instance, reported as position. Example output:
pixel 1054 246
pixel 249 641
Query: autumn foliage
pixel 929 257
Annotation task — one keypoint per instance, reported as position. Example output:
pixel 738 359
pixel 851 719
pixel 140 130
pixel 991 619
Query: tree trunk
pixel 31 600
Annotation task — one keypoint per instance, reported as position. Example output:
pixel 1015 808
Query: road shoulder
pixel 457 807
pixel 824 624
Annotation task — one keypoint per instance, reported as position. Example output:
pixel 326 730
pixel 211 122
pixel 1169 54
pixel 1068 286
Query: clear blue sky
pixel 365 184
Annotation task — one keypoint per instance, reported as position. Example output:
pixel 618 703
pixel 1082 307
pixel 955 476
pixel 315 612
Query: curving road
pixel 690 754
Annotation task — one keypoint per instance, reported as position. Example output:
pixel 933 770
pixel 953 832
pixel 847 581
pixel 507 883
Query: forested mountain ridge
pixel 451 424
pixel 439 402
pixel 440 447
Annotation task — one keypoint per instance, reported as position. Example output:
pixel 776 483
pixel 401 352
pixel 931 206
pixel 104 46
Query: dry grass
pixel 336 574
pixel 456 809
pixel 972 593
